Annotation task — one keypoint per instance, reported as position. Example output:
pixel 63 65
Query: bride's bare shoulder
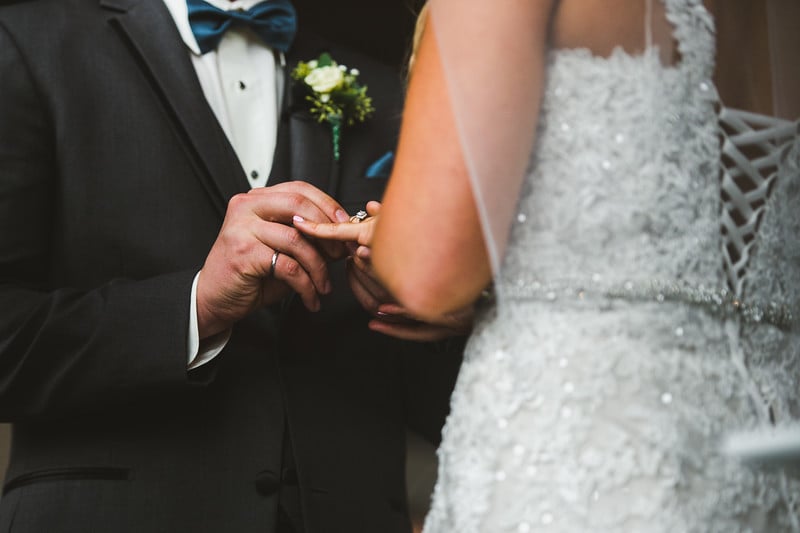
pixel 756 43
pixel 603 25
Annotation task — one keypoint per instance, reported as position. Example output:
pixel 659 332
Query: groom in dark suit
pixel 159 356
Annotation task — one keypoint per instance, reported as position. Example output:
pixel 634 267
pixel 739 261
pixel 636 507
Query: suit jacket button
pixel 267 482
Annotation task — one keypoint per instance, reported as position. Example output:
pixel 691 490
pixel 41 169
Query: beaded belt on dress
pixel 721 302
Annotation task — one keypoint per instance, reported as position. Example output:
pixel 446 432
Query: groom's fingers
pixel 280 204
pixel 302 262
pixel 249 238
pixel 289 271
pixel 239 263
pixel 302 195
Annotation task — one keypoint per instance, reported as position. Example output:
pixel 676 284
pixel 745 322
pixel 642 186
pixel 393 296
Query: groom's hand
pixel 237 276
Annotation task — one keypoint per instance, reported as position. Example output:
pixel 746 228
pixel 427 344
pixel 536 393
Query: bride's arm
pixel 428 246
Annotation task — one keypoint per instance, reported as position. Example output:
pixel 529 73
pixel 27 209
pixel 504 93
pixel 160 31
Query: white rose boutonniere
pixel 335 95
pixel 325 79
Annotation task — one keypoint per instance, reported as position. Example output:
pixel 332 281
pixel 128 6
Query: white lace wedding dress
pixel 646 309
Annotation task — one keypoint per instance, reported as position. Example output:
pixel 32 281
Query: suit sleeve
pixel 65 350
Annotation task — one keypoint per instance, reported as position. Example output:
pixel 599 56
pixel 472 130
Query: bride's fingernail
pixel 298 218
pixel 341 216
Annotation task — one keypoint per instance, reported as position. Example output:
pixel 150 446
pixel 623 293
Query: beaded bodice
pixel 624 182
pixel 645 309
pixel 618 210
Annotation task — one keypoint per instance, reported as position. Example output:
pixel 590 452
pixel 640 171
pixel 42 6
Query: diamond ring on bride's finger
pixel 358 217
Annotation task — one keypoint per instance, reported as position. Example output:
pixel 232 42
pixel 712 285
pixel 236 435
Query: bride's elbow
pixel 431 298
pixel 438 281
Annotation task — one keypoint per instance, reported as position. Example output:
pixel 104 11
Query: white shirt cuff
pixel 199 355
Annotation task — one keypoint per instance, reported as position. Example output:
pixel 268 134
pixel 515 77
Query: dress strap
pixel 695 35
pixel 648 23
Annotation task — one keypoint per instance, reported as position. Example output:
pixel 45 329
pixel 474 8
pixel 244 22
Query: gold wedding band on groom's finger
pixel 273 263
pixel 358 217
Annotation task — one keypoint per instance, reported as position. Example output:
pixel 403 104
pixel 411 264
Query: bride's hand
pixel 396 321
pixel 358 231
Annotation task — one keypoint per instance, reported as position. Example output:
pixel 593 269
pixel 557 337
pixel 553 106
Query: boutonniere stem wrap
pixel 334 94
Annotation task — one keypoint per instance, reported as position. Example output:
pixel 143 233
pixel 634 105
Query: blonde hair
pixel 419 29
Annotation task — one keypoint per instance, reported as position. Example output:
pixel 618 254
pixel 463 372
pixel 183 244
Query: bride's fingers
pixel 460 321
pixel 367 280
pixel 347 231
pixel 373 208
pixel 394 312
pixel 393 309
pixel 411 330
pixel 363 252
pixel 364 264
pixel 369 301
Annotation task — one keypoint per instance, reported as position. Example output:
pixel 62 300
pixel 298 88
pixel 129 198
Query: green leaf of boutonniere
pixel 325 60
pixel 334 94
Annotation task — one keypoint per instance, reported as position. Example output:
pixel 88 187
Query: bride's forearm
pixel 428 247
pixel 473 103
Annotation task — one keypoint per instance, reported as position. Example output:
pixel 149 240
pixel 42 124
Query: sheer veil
pixel 495 107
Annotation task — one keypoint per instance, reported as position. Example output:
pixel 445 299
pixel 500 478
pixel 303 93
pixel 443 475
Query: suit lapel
pixel 281 162
pixel 311 143
pixel 311 151
pixel 148 30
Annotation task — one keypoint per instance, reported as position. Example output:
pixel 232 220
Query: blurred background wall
pixel 380 28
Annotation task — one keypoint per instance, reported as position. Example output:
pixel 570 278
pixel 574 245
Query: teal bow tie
pixel 275 21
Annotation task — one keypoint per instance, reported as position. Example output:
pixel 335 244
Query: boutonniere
pixel 334 94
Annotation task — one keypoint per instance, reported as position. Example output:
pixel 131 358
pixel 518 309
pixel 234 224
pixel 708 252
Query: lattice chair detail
pixel 752 148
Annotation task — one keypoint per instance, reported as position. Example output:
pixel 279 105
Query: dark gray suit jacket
pixel 114 179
